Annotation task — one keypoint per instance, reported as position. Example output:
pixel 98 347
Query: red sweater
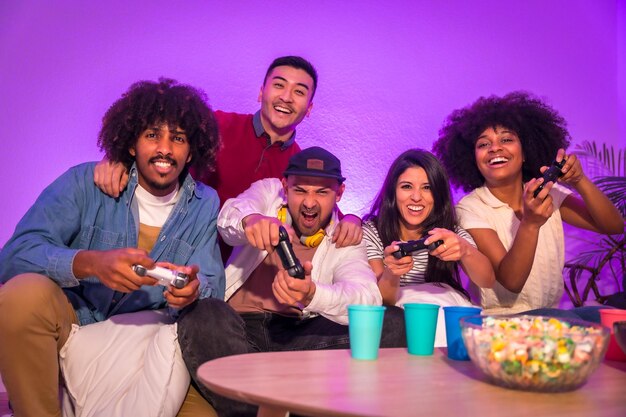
pixel 246 155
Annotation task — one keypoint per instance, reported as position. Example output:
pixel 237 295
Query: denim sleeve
pixel 41 242
pixel 207 253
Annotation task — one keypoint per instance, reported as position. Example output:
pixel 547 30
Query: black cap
pixel 315 162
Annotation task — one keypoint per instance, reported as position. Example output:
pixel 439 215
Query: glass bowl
pixel 534 353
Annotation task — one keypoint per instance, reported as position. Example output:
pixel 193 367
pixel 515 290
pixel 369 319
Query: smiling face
pixel 161 155
pixel 499 156
pixel 311 201
pixel 414 201
pixel 285 99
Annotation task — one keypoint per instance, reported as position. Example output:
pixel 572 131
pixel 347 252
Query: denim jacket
pixel 72 214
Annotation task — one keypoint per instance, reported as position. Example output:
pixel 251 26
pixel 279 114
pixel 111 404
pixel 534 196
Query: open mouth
pixel 163 165
pixel 498 160
pixel 309 218
pixel 282 109
pixel 415 208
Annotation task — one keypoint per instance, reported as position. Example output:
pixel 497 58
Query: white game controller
pixel 165 276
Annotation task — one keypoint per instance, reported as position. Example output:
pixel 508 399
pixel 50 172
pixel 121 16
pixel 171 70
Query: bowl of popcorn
pixel 534 353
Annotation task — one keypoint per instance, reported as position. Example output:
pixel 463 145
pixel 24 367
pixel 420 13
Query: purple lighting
pixel 389 72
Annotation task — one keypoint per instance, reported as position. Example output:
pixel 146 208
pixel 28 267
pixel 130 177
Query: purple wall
pixel 389 72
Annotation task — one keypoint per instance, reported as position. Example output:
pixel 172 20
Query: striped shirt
pixel 375 250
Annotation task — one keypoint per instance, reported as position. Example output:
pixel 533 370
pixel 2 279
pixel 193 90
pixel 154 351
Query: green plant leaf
pixel 607 256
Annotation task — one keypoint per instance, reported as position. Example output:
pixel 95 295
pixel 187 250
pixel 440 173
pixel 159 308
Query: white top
pixel 342 275
pixel 154 210
pixel 544 287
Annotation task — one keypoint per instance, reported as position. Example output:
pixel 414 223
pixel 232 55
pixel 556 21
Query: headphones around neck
pixel 312 241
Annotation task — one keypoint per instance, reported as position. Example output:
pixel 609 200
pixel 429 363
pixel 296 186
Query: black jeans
pixel 211 329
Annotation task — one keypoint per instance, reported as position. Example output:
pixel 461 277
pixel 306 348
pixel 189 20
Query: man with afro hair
pixel 71 258
pixel 255 146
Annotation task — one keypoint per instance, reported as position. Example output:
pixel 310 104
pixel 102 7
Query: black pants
pixel 211 329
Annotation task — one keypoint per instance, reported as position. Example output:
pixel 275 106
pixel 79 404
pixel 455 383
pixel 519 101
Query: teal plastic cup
pixel 421 325
pixel 365 324
pixel 453 315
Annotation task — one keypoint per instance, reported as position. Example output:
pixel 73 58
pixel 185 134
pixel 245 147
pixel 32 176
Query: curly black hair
pixel 147 103
pixel 541 130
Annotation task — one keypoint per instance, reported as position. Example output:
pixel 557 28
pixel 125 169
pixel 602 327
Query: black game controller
pixel 413 246
pixel 550 174
pixel 285 251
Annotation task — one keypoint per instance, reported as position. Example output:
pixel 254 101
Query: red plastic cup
pixel 607 317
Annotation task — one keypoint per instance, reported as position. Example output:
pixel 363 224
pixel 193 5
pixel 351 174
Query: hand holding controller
pixel 413 246
pixel 287 256
pixel 550 175
pixel 165 276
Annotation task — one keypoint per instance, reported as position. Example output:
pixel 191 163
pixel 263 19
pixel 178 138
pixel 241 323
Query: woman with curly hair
pixel 415 203
pixel 497 148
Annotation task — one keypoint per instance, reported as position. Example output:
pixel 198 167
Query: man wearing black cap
pixel 266 308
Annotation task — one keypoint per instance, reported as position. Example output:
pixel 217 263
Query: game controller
pixel 287 256
pixel 165 276
pixel 413 246
pixel 550 174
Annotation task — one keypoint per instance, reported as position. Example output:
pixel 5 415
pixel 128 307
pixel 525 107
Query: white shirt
pixel 342 275
pixel 544 287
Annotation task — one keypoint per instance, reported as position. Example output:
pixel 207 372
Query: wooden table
pixel 330 383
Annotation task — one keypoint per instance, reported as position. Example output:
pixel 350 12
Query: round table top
pixel 330 382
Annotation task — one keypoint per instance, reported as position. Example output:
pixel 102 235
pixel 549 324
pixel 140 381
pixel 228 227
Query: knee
pixel 205 313
pixel 24 298
pixel 201 310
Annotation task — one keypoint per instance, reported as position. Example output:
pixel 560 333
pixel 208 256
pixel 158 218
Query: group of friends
pixel 182 185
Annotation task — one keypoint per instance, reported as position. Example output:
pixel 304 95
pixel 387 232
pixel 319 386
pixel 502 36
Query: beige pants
pixel 35 321
pixel 196 406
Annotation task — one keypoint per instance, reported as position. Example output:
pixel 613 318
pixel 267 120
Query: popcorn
pixel 531 351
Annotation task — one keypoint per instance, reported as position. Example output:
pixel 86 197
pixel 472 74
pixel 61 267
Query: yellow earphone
pixel 312 241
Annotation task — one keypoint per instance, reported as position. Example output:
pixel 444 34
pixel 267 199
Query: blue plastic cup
pixel 421 326
pixel 453 314
pixel 365 324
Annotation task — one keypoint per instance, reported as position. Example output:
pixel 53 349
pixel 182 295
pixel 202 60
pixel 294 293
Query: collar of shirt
pixel 260 132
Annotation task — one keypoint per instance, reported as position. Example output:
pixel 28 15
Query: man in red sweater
pixel 259 146
pixel 255 146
